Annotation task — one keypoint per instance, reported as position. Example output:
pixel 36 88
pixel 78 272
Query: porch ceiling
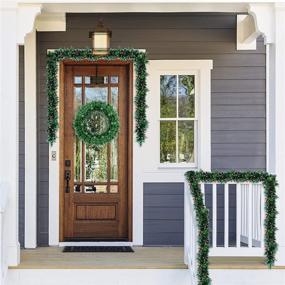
pixel 133 7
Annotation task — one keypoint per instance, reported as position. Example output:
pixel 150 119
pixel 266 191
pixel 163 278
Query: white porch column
pixel 26 35
pixel 30 142
pixel 270 20
pixel 278 58
pixel 15 23
pixel 9 124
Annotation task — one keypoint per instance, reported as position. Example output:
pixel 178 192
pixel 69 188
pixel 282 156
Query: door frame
pixel 129 65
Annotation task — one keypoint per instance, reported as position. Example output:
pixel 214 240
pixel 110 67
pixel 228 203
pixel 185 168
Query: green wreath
pixel 96 123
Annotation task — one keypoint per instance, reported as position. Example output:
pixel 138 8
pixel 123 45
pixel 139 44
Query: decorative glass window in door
pixel 95 167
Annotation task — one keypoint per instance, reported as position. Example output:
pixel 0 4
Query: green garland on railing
pixel 140 60
pixel 269 182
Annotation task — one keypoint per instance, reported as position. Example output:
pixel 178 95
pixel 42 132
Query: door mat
pixel 97 249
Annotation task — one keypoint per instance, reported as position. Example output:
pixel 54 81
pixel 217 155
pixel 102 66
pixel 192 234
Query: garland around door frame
pixel 139 59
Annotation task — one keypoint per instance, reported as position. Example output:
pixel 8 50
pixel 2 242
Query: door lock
pixel 67 176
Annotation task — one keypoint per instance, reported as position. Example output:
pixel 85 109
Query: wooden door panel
pixel 97 203
pixel 96 212
pixel 83 230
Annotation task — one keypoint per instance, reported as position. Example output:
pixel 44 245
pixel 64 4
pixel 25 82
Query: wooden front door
pixel 96 180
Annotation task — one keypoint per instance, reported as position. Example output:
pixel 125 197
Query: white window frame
pixel 201 69
pixel 176 119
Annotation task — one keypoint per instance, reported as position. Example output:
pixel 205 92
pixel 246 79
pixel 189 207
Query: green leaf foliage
pixel 82 129
pixel 269 182
pixel 137 57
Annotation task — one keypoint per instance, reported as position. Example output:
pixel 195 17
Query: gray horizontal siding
pixel 224 149
pixel 236 136
pixel 163 214
pixel 21 147
pixel 42 152
pixel 150 20
pixel 241 162
pixel 238 98
pixel 238 81
pixel 238 124
pixel 239 73
pixel 240 111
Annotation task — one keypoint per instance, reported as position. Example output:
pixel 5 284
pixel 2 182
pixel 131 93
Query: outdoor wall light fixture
pixel 100 39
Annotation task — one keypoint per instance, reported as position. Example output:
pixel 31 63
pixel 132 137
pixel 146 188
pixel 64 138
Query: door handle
pixel 67 176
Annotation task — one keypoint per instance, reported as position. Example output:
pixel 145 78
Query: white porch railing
pixel 236 213
pixel 3 236
pixel 190 235
pixel 236 221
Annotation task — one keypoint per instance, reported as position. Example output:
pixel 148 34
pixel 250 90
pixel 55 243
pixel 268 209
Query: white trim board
pixel 98 276
pixel 54 185
pixel 141 276
pixel 201 69
pixel 146 168
pixel 134 6
pixel 30 141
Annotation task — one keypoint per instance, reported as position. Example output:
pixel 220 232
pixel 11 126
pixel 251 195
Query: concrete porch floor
pixel 142 258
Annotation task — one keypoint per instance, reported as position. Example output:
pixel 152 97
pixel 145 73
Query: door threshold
pixel 95 243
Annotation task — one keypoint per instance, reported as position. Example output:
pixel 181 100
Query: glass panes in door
pixel 95 167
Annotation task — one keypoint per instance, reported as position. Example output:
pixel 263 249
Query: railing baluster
pixel 226 220
pixel 214 199
pixel 203 192
pixel 242 205
pixel 262 216
pixel 244 210
pixel 252 209
pixel 254 213
pixel 250 214
pixel 259 212
pixel 238 213
pixel 245 213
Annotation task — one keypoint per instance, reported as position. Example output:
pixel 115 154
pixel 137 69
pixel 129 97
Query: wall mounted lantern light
pixel 100 39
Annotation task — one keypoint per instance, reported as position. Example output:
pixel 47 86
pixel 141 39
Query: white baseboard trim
pixel 13 258
pixel 99 276
pixel 96 243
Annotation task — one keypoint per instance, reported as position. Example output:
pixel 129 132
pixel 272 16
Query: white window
pixel 178 119
pixel 179 114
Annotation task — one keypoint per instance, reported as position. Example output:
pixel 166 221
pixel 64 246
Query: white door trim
pixel 54 191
